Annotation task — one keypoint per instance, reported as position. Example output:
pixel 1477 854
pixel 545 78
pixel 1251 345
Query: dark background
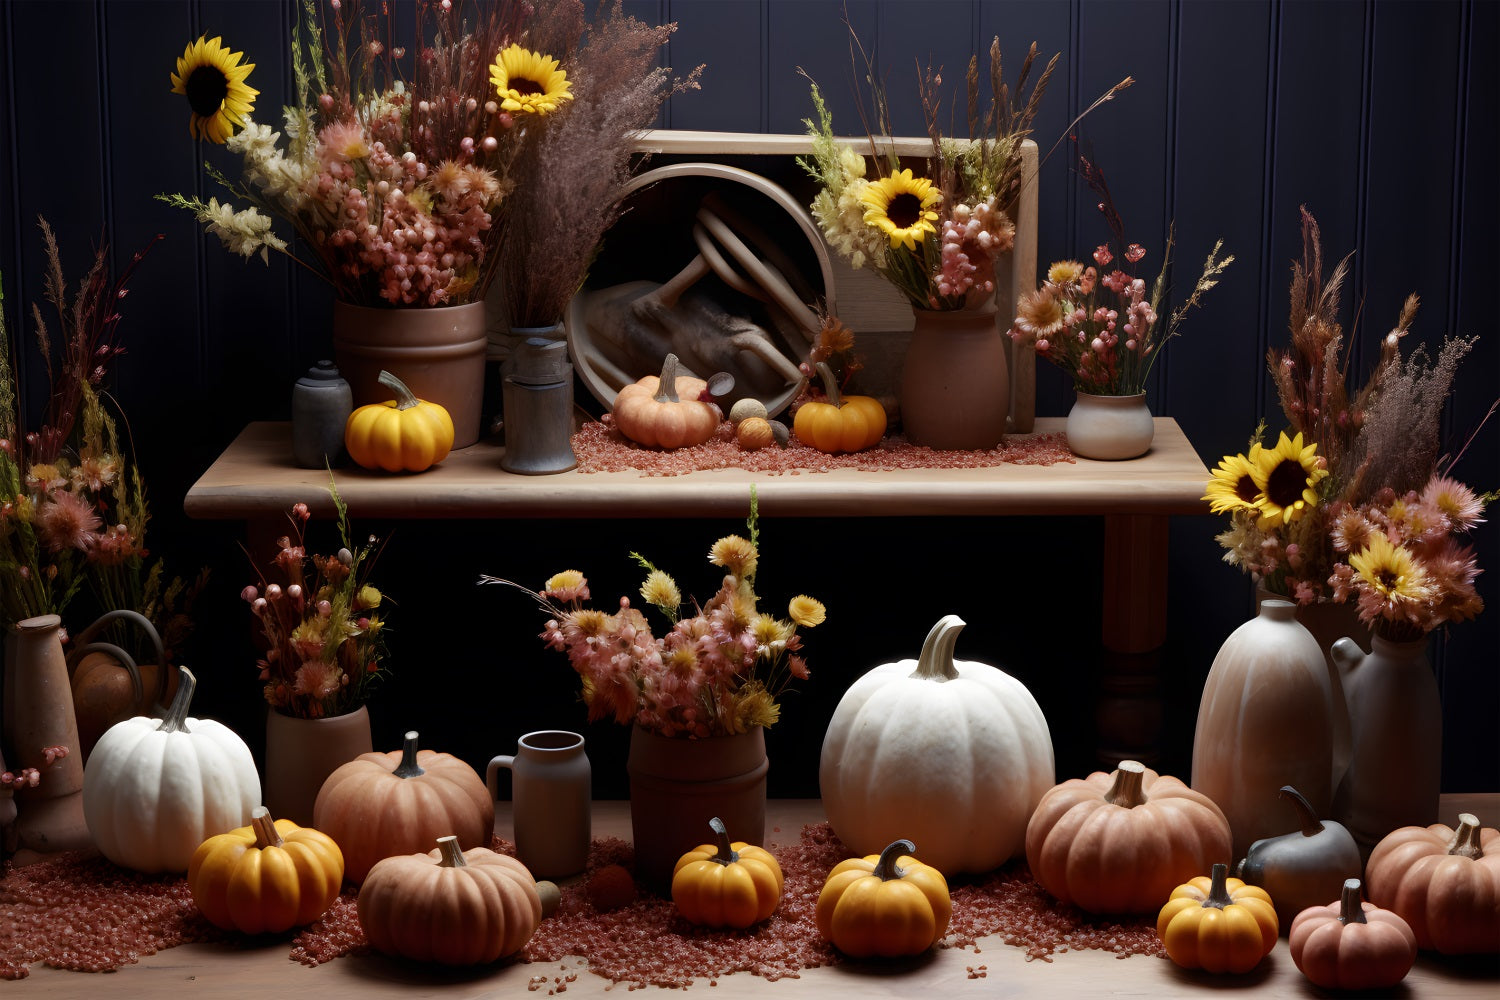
pixel 1380 117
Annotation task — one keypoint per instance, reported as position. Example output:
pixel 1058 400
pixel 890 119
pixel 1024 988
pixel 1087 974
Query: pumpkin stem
pixel 936 660
pixel 408 767
pixel 405 398
pixel 1306 815
pixel 666 383
pixel 726 855
pixel 266 834
pixel 1465 842
pixel 830 384
pixel 886 868
pixel 1350 910
pixel 1126 790
pixel 175 721
pixel 452 857
pixel 1218 888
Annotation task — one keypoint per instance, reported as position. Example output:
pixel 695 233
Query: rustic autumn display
pixel 1352 945
pixel 405 434
pixel 154 789
pixel 938 748
pixel 1443 881
pixel 450 906
pixel 267 877
pixel 726 884
pixel 667 410
pixel 385 804
pixel 1218 924
pixel 1119 842
pixel 887 905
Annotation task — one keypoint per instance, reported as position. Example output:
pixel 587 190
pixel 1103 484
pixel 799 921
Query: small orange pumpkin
pixel 1352 945
pixel 405 434
pixel 1118 843
pixel 666 411
pixel 266 877
pixel 1218 924
pixel 890 904
pixel 1444 882
pixel 384 804
pixel 726 884
pixel 844 423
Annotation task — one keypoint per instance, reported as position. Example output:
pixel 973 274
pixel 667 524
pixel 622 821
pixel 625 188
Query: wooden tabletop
pixel 255 477
pixel 218 971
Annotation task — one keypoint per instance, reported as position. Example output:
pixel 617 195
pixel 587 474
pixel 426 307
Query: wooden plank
pixel 255 477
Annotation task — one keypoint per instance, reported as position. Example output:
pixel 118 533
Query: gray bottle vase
pixel 550 793
pixel 321 404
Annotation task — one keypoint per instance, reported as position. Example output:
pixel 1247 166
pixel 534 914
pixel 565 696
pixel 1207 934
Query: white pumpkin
pixel 154 789
pixel 953 756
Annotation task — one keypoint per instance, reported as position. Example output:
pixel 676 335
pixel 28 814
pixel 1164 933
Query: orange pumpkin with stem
pixel 844 423
pixel 1352 945
pixel 1218 924
pixel 1119 843
pixel 666 410
pixel 1444 882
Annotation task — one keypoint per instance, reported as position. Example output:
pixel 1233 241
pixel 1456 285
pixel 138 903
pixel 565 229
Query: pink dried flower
pixel 66 521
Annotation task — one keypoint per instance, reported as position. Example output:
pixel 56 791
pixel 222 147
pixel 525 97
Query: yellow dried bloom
pixel 661 590
pixel 735 554
pixel 806 611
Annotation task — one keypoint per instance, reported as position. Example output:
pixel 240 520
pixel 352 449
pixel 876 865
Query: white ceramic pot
pixel 1110 427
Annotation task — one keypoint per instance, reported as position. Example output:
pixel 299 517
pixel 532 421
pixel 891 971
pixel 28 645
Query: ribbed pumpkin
pixel 953 754
pixel 154 789
pixel 665 411
pixel 726 884
pixel 843 423
pixel 384 804
pixel 450 906
pixel 266 877
pixel 888 905
pixel 1218 924
pixel 1444 882
pixel 1352 945
pixel 1120 842
pixel 405 434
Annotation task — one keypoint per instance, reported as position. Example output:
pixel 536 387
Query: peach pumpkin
pixel 1444 882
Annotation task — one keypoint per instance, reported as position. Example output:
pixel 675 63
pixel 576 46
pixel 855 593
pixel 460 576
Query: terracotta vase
pixel 39 715
pixel 1265 721
pixel 1396 717
pixel 678 785
pixel 1110 428
pixel 302 753
pixel 438 352
pixel 109 686
pixel 955 381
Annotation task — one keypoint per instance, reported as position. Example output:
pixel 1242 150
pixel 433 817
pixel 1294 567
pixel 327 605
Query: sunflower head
pixel 1287 477
pixel 900 206
pixel 213 81
pixel 529 83
pixel 1233 484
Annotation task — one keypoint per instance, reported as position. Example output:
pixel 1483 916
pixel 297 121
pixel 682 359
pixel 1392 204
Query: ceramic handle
pixel 492 774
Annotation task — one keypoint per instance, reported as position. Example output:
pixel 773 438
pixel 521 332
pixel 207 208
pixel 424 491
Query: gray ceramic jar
pixel 321 404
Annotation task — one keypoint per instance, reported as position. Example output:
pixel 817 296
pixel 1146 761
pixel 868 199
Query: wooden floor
pixel 216 971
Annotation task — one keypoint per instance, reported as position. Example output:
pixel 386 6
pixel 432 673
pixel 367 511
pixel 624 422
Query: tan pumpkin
pixel 1121 842
pixel 1444 882
pixel 385 804
pixel 666 410
pixel 1352 945
pixel 449 906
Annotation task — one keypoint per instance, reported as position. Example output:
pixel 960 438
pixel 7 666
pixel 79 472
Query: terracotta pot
pixel 109 686
pixel 1265 721
pixel 438 352
pixel 955 382
pixel 39 715
pixel 1396 717
pixel 1110 428
pixel 302 753
pixel 678 785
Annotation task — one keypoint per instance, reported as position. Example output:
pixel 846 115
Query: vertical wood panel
pixel 811 34
pixel 730 44
pixel 938 34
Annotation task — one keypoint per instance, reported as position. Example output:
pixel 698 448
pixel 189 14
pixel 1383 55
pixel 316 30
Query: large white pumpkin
pixel 154 789
pixel 953 756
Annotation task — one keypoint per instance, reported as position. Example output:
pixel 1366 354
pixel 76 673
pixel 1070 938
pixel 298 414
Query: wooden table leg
pixel 1130 711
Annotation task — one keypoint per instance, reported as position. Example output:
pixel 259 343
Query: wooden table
pixel 217 971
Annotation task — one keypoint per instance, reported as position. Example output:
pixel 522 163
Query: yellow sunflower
pixel 529 83
pixel 1287 477
pixel 1391 571
pixel 213 81
pixel 900 206
pixel 1233 484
